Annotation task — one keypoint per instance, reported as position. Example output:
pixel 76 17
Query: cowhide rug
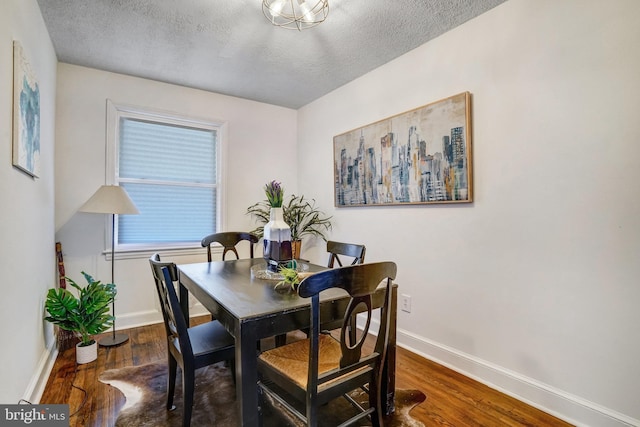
pixel 144 388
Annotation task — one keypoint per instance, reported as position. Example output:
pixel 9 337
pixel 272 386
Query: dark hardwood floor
pixel 452 399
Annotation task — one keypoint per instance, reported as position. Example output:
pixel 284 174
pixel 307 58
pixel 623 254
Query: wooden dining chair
pixel 190 348
pixel 337 249
pixel 229 240
pixel 321 368
pixel 351 250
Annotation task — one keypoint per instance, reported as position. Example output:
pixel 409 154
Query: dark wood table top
pixel 245 297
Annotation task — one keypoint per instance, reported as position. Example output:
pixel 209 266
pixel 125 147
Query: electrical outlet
pixel 405 303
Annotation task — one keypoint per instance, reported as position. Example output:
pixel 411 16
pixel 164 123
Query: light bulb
pixel 307 16
pixel 276 7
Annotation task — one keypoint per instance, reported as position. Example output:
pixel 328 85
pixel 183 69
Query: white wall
pixel 27 250
pixel 534 286
pixel 260 145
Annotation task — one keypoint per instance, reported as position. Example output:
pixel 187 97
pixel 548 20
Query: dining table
pixel 238 295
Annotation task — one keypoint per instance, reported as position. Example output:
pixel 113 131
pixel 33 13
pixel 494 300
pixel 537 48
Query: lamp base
pixel 112 340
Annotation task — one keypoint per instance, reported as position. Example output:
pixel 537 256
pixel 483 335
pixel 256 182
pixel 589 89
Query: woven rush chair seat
pixel 294 359
pixel 321 368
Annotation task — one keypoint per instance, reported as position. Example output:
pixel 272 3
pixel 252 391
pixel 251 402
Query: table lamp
pixel 111 199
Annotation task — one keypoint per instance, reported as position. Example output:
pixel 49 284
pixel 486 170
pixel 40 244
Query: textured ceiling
pixel 229 47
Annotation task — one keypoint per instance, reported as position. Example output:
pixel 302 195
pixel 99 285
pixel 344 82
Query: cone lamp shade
pixel 114 200
pixel 110 199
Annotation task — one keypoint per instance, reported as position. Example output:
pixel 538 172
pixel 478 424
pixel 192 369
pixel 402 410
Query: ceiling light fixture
pixel 295 14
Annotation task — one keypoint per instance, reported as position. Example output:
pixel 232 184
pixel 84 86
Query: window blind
pixel 170 174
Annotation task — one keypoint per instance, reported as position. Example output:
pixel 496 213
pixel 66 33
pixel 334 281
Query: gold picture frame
pixel 422 156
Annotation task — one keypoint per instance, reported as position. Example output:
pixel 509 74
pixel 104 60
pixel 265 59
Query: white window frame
pixel 117 111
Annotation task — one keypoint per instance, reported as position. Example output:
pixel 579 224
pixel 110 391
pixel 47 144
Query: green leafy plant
pixel 299 213
pixel 275 193
pixel 85 315
pixel 290 277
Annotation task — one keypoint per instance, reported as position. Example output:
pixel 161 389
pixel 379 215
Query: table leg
pixel 247 375
pixel 389 370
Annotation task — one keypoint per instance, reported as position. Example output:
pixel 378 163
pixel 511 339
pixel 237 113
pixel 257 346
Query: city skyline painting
pixel 422 156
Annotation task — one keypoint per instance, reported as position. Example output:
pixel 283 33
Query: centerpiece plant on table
pixel 291 278
pixel 300 213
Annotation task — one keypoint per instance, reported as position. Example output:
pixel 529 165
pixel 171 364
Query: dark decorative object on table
pixel 276 232
pixel 302 216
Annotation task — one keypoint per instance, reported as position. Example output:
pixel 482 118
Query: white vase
pixel 86 354
pixel 277 240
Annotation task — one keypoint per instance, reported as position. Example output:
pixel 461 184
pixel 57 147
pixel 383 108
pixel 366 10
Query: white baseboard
pixel 38 382
pixel 143 318
pixel 566 406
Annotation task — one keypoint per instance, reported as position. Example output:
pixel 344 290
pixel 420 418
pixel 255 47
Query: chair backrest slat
pixel 229 240
pixel 336 249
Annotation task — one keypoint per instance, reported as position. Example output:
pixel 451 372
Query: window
pixel 170 168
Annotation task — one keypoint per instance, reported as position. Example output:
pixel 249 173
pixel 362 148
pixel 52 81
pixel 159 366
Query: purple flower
pixel 274 193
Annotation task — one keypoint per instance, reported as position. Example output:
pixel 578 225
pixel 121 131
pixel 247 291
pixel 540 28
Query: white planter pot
pixel 86 354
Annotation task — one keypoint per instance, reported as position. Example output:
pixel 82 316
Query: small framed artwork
pixel 422 156
pixel 26 114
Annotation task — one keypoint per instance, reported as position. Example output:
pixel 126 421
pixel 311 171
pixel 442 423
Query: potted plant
pixel 291 278
pixel 302 216
pixel 85 315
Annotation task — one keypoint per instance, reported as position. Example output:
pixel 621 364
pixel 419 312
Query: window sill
pixel 146 252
